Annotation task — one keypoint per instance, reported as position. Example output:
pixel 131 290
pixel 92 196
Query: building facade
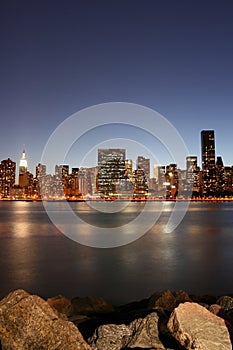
pixel 23 168
pixel 208 163
pixel 192 176
pixel 111 171
pixel 7 177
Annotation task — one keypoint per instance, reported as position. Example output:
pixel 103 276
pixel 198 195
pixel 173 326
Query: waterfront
pixel 196 256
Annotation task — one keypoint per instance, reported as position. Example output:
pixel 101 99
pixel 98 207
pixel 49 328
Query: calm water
pixel 197 256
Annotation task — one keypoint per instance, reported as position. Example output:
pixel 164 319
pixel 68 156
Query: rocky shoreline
pixel 165 320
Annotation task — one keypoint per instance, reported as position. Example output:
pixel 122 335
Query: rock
pixel 61 304
pixel 226 302
pixel 204 299
pixel 194 327
pixel 141 333
pixel 27 322
pixel 167 300
pixel 145 332
pixel 216 309
pixel 230 315
pixel 110 337
pixel 91 305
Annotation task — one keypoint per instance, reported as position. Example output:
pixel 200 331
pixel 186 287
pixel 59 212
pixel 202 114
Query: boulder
pixel 61 304
pixel 27 322
pixel 110 337
pixel 194 327
pixel 167 300
pixel 226 302
pixel 141 333
pixel 145 333
pixel 203 299
pixel 91 306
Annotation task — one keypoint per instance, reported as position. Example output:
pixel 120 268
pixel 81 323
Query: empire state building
pixel 23 173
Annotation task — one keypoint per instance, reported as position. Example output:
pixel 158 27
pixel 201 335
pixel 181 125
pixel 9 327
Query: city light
pixel 114 178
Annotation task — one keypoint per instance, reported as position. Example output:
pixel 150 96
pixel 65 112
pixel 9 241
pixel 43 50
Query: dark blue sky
pixel 58 57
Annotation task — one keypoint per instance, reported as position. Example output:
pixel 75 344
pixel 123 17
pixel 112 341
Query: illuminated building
pixel 83 181
pixel 144 164
pixel 7 176
pixel 140 183
pixel 220 177
pixel 208 163
pixel 192 175
pixel 159 174
pixel 40 181
pixel 172 180
pixel 40 170
pixel 74 182
pixel 111 171
pixel 23 176
pixel 228 177
pixel 92 180
pixel 129 169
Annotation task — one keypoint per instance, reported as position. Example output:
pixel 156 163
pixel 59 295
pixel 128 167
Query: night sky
pixel 58 57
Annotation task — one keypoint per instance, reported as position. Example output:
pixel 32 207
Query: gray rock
pixel 145 333
pixel 27 322
pixel 194 327
pixel 226 302
pixel 110 337
pixel 140 333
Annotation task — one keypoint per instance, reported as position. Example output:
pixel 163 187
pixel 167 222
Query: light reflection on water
pixel 196 257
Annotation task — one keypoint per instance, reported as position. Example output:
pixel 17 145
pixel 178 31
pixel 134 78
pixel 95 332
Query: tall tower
pixel 111 170
pixel 23 167
pixel 208 162
pixel 144 164
pixel 7 177
pixel 192 174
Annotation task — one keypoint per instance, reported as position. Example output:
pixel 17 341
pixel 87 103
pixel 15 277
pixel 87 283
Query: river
pixel 196 257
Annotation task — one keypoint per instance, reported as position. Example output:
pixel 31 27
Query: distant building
pixel 111 171
pixel 83 181
pixel 192 175
pixel 208 163
pixel 74 182
pixel 40 170
pixel 220 177
pixel 23 166
pixel 7 177
pixel 140 183
pixel 26 181
pixel 159 174
pixel 129 169
pixel 172 177
pixel 228 177
pixel 144 164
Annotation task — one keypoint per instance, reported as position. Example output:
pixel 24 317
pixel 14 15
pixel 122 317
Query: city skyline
pixel 61 57
pixel 96 149
pixel 114 176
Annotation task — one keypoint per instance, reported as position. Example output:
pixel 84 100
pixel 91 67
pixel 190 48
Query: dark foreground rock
pixel 28 322
pixel 167 320
pixel 91 306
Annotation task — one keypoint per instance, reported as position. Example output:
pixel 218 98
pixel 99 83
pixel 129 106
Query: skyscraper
pixel 23 165
pixel 111 171
pixel 220 177
pixel 144 164
pixel 192 174
pixel 7 176
pixel 208 162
